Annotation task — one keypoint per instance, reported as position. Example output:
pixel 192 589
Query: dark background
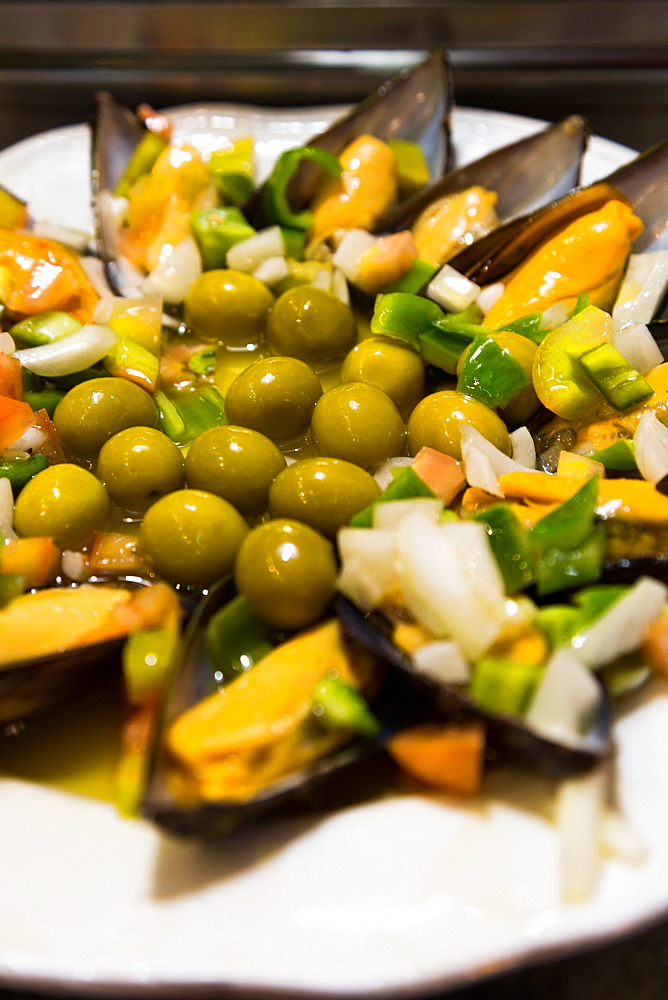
pixel 606 59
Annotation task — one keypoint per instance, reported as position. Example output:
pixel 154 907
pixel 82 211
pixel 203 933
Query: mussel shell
pixel 525 174
pixel 507 736
pixel 644 181
pixel 194 680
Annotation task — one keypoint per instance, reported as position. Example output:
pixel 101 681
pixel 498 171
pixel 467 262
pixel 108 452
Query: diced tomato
pixel 442 473
pixel 51 447
pixel 11 379
pixel 15 419
pixel 35 559
pixel 446 757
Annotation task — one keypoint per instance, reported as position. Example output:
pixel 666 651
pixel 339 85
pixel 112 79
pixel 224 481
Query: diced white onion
pixel 555 316
pixel 272 270
pixel 579 809
pixel 7 345
pixel 452 290
pixel 523 447
pixel 650 447
pixel 248 254
pixel 340 286
pixel 323 279
pixel 442 661
pixel 97 275
pixel 566 700
pixel 483 462
pixel 383 474
pixel 490 295
pixel 389 514
pixel 622 627
pixel 350 249
pixel 69 354
pixel 174 275
pixel 128 277
pixel 6 508
pixel 642 289
pixel 30 441
pixel 621 840
pixel 368 570
pixel 450 580
pixel 637 345
pixel 74 565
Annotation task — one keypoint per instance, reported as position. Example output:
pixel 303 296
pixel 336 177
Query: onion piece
pixel 248 254
pixel 383 474
pixel 622 627
pixel 6 509
pixel 388 515
pixel 490 295
pixel 452 290
pixel 579 810
pixel 272 270
pixel 566 700
pixel 340 286
pixel 30 441
pixel 368 570
pixel 7 345
pixel 523 447
pixel 442 661
pixel 650 446
pixel 69 354
pixel 174 275
pixel 484 463
pixel 350 249
pixel 637 346
pixel 642 289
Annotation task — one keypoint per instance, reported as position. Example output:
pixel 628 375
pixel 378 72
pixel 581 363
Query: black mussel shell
pixel 508 739
pixel 194 680
pixel 525 174
pixel 644 181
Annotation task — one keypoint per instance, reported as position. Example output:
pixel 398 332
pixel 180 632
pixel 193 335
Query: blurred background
pixel 606 59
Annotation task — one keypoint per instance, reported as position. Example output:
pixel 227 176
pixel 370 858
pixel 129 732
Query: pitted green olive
pixel 93 411
pixel 139 465
pixel 322 492
pixel 228 307
pixel 64 501
pixel 311 324
pixel 191 537
pixel 274 396
pixel 237 464
pixel 358 423
pixel 436 420
pixel 390 365
pixel 287 572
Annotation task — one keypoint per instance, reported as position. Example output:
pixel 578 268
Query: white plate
pixel 402 895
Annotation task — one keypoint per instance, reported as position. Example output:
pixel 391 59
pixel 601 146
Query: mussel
pixel 194 680
pixel 508 737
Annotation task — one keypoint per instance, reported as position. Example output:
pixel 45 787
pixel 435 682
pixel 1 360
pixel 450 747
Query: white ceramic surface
pixel 395 896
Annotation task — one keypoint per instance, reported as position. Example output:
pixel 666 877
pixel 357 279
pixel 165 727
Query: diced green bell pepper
pixel 340 706
pixel 619 456
pixel 570 524
pixel 504 687
pixel 509 542
pixel 236 639
pixel 217 229
pixel 620 384
pixel 560 569
pixel 404 316
pixel 491 374
pixel 416 277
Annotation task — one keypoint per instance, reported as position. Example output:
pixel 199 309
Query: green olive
pixel 139 465
pixel 390 365
pixel 191 537
pixel 436 421
pixel 358 423
pixel 228 307
pixel 323 492
pixel 523 351
pixel 287 572
pixel 311 324
pixel 64 501
pixel 93 411
pixel 274 396
pixel 235 463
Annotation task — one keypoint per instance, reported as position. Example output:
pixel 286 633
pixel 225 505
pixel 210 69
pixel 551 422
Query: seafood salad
pixel 366 460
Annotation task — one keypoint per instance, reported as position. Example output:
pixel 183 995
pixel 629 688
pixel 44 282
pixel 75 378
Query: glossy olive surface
pixel 322 492
pixel 64 501
pixel 287 572
pixel 311 324
pixel 390 365
pixel 139 465
pixel 191 537
pixel 228 307
pixel 274 396
pixel 93 411
pixel 436 421
pixel 359 423
pixel 237 464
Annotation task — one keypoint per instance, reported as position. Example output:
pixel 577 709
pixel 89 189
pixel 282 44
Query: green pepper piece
pixel 570 524
pixel 340 706
pixel 171 422
pixel 233 172
pixel 146 152
pixel 44 328
pixel 491 374
pixel 294 241
pixel 405 485
pixel 43 399
pixel 614 377
pixel 560 569
pixel 619 456
pixel 147 657
pixel 416 277
pixel 442 350
pixel 504 687
pixel 528 326
pixel 186 415
pixel 509 542
pixel 217 229
pixel 276 204
pixel 558 622
pixel 595 601
pixel 404 316
pixel 583 300
pixel 237 639
pixel 19 470
pixel 11 586
pixel 204 361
